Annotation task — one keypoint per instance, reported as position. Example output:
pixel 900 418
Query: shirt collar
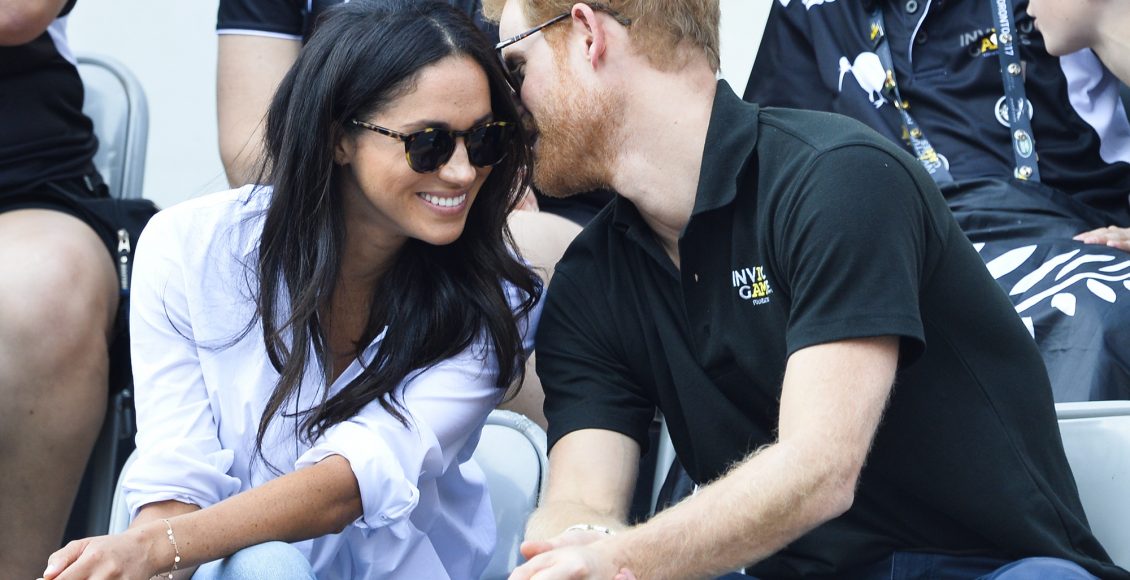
pixel 730 140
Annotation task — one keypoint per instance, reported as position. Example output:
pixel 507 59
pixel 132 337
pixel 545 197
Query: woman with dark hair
pixel 315 359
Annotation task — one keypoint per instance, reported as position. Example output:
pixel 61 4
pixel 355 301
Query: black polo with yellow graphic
pixel 809 228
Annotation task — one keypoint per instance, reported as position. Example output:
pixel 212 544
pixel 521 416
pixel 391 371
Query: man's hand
pixel 588 561
pixel 533 548
pixel 1110 236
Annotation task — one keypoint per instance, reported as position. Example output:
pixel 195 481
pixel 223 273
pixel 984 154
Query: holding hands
pixel 576 554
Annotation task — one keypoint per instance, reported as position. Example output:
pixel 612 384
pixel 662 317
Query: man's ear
pixel 585 18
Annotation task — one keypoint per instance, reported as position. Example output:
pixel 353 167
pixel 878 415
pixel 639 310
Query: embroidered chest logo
pixel 751 284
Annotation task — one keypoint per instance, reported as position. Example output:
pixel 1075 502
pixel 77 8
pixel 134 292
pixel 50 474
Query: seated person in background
pixel 319 369
pixel 58 286
pixel 258 40
pixel 1034 163
pixel 747 245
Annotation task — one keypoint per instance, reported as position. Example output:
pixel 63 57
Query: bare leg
pixel 542 239
pixel 58 297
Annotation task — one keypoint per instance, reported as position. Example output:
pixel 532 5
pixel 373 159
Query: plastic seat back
pixel 115 102
pixel 512 454
pixel 1096 437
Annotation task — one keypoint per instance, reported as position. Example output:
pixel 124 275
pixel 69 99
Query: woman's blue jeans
pixel 272 560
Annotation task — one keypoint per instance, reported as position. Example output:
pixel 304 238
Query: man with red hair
pixel 762 278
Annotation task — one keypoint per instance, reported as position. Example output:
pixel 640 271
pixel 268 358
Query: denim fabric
pixel 272 560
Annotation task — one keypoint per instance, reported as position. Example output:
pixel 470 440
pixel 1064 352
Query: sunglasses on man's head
pixel 515 75
pixel 429 149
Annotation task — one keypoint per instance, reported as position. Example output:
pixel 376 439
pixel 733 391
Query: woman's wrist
pixel 153 541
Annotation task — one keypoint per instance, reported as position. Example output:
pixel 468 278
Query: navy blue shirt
pixel 818 55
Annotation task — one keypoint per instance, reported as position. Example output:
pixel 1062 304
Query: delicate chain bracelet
pixel 591 528
pixel 176 549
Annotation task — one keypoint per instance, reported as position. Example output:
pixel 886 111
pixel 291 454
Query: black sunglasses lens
pixel 486 145
pixel 429 149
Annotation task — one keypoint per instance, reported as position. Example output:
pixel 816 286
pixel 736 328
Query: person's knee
pixel 58 291
pixel 1041 569
pixel 276 560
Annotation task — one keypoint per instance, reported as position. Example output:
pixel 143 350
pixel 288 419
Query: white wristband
pixel 590 528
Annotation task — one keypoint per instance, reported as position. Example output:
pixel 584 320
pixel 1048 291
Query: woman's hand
pixel 1110 236
pixel 121 556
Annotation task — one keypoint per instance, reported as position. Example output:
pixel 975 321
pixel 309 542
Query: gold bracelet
pixel 590 528
pixel 176 549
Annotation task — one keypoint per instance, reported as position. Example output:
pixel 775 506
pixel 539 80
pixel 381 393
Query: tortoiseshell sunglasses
pixel 428 149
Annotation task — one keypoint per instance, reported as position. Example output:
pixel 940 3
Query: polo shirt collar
pixel 730 141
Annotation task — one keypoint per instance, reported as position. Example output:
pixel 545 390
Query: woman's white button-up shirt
pixel 202 380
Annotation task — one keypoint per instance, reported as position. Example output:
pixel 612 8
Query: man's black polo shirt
pixel 810 228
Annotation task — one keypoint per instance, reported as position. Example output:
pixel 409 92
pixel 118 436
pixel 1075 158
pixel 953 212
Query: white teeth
pixel 444 201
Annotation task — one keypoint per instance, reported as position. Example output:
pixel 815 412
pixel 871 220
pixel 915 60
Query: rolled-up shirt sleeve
pixel 446 406
pixel 179 456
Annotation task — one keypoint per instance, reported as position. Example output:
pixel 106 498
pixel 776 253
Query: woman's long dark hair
pixel 434 300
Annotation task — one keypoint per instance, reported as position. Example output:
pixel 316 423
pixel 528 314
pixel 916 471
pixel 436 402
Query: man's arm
pixel 249 70
pixel 832 401
pixel 21 21
pixel 592 473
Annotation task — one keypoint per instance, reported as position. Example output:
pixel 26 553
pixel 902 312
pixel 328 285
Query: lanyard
pixel 912 134
pixel 1020 126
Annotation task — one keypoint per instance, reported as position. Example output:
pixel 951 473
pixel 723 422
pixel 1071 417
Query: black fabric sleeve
pixel 283 17
pixel 785 72
pixel 851 243
pixel 586 384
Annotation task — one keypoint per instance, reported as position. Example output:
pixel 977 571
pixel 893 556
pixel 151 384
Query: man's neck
pixel 659 164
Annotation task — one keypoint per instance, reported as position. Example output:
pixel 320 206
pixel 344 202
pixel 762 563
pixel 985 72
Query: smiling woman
pixel 318 368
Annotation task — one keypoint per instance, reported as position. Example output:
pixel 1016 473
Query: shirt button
pixel 696 277
pixel 384 517
pixel 921 38
pixel 911 6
